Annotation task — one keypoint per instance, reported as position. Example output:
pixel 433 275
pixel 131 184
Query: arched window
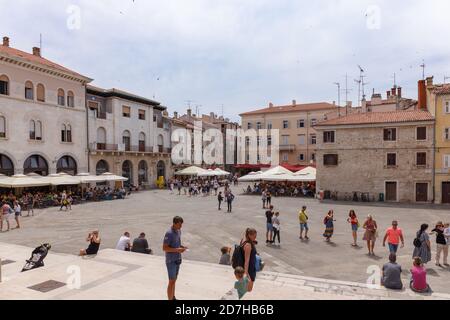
pixel 127 171
pixel 40 92
pixel 29 90
pixel 142 172
pixel 70 99
pixel 126 140
pixel 35 164
pixel 101 138
pixel 61 97
pixel 160 143
pixel 38 130
pixel 69 133
pixel 32 130
pixel 4 85
pixel 101 167
pixel 6 165
pixel 2 127
pixel 161 169
pixel 67 164
pixel 142 142
pixel 63 133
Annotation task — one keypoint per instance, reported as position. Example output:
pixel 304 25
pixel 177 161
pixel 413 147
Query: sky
pixel 238 55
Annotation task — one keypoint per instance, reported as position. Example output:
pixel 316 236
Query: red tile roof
pixel 442 89
pixel 28 57
pixel 292 108
pixel 379 117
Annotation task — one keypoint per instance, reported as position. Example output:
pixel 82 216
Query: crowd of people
pixel 283 189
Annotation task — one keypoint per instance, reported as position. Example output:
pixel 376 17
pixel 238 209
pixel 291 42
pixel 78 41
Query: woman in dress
pixel 94 244
pixel 249 245
pixel 353 220
pixel 424 250
pixel 329 226
pixel 370 235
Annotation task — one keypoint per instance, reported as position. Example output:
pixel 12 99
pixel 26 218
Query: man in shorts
pixel 269 233
pixel 303 219
pixel 173 249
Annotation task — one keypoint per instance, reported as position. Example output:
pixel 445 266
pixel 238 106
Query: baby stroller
pixel 37 257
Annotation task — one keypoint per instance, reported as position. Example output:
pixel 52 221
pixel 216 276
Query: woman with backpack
pixel 248 246
pixel 422 245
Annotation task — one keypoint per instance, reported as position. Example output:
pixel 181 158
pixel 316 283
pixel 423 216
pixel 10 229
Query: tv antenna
pixel 339 97
pixel 197 110
pixel 347 91
pixel 188 102
pixel 423 65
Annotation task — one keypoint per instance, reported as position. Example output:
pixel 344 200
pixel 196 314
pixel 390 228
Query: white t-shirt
pixel 123 243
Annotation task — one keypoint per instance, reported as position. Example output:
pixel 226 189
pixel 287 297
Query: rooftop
pixel 379 117
pixel 442 89
pixel 293 108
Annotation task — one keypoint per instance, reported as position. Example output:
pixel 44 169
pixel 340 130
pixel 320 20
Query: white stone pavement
pixel 114 274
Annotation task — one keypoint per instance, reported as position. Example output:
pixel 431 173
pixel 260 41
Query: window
pixel 4 85
pixel 421 158
pixel 390 134
pixel 2 127
pixel 285 157
pixel 63 133
pixel 447 161
pixel 247 141
pixel 32 130
pixel 330 159
pixel 29 91
pixel 285 124
pixel 313 139
pixel 142 142
pixel 301 157
pixel 258 125
pixel 269 125
pixel 69 133
pixel 141 114
pixel 61 97
pixel 313 122
pixel 101 139
pixel 126 140
pixel 328 137
pixel 301 139
pixel 313 156
pixel 70 99
pixel 126 111
pixel 35 130
pixel 249 125
pixel 300 123
pixel 447 134
pixel 284 140
pixel 40 92
pixel 154 118
pixel 391 160
pixel 421 133
pixel 38 130
pixel 447 106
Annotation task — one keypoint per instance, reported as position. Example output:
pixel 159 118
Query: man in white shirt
pixel 124 243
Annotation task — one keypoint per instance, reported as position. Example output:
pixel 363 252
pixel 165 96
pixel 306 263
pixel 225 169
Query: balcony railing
pixel 104 147
pixel 287 147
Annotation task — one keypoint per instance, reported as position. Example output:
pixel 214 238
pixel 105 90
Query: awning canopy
pixel 23 181
pixel 220 172
pixel 192 171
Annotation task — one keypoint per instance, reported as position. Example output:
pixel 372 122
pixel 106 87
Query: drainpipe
pixel 87 128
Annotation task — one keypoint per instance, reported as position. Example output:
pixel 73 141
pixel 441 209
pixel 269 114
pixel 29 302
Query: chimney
pixel 175 115
pixel 422 95
pixel 212 115
pixel 429 81
pixel 270 105
pixel 399 92
pixel 393 91
pixel 6 41
pixel 189 112
pixel 36 51
pixel 294 103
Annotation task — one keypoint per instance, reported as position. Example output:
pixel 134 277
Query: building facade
pixel 128 135
pixel 296 128
pixel 42 115
pixel 373 153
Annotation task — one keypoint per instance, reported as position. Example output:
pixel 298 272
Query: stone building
pixel 128 135
pixel 388 153
pixel 42 115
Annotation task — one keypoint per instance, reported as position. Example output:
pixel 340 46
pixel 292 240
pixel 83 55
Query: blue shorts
pixel 173 268
pixel 393 247
pixel 304 226
pixel 269 227
pixel 354 227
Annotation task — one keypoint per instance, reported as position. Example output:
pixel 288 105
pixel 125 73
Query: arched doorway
pixel 6 165
pixel 161 169
pixel 127 172
pixel 101 167
pixel 67 164
pixel 35 164
pixel 142 172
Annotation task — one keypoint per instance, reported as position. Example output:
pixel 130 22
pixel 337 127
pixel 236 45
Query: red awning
pixel 251 166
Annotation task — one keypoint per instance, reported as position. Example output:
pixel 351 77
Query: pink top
pixel 394 235
pixel 419 276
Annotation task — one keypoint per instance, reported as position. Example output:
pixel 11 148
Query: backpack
pixel 416 242
pixel 238 258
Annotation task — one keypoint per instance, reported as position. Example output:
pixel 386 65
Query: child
pixel 226 257
pixel 276 227
pixel 241 285
pixel 419 277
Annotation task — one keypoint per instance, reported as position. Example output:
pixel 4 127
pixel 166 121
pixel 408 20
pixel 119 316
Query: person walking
pixel 17 213
pixel 276 228
pixel 94 244
pixel 248 244
pixel 370 235
pixel 173 250
pixel 6 212
pixel 63 200
pixel 269 226
pixel 353 220
pixel 422 245
pixel 393 234
pixel 220 199
pixel 230 198
pixel 268 198
pixel 264 198
pixel 441 243
pixel 329 225
pixel 303 219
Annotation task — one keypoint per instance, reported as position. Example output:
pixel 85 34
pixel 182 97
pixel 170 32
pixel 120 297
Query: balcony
pixel 103 147
pixel 140 148
pixel 161 149
pixel 287 147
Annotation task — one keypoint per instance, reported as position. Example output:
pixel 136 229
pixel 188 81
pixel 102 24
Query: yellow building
pixel 436 98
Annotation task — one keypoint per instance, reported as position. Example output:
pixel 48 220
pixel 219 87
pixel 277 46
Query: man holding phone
pixel 173 249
